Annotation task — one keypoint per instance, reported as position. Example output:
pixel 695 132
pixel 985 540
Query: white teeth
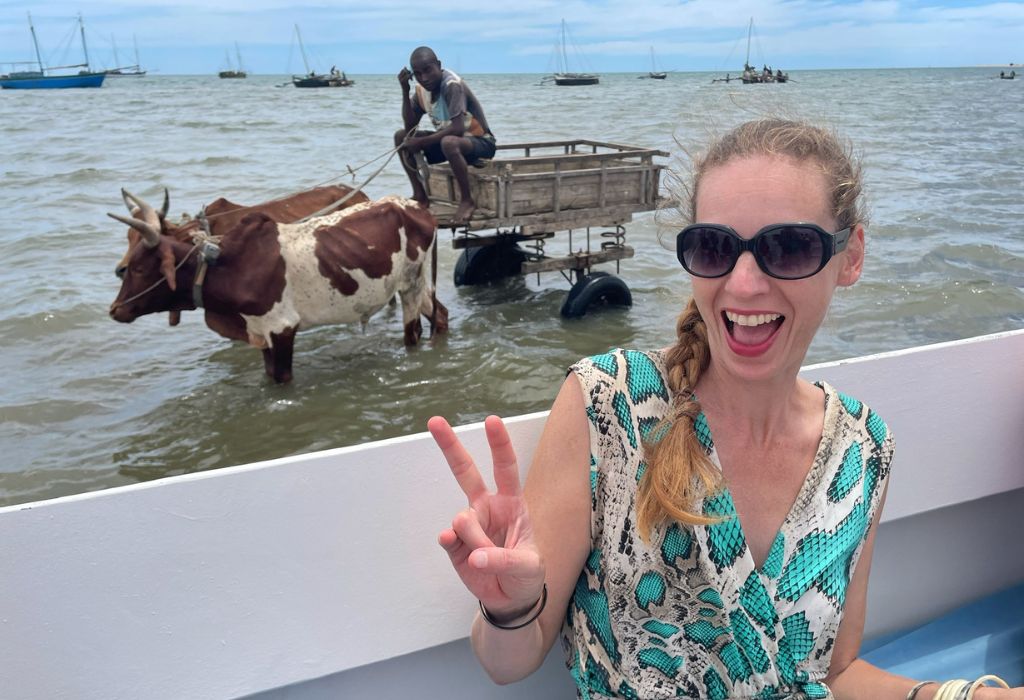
pixel 753 320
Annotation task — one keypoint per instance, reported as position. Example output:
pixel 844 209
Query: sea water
pixel 88 403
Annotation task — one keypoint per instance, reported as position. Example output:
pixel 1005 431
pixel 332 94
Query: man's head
pixel 426 68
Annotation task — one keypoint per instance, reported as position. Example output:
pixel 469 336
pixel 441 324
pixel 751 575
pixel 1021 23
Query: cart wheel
pixel 488 263
pixel 597 288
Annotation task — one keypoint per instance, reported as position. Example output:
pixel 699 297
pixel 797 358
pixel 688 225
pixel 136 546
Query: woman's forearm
pixel 508 655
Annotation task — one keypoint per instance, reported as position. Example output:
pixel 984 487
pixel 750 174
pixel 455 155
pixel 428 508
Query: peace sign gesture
pixel 491 543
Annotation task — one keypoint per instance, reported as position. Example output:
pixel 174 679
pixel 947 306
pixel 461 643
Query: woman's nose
pixel 746 278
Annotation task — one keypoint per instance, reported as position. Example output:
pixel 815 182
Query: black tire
pixel 596 289
pixel 488 264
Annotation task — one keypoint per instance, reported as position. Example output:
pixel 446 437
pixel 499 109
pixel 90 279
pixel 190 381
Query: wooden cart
pixel 531 191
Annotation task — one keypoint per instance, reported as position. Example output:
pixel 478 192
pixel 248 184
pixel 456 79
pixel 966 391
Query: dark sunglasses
pixel 783 251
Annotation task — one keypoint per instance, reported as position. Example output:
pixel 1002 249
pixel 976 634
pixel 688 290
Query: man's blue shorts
pixel 483 147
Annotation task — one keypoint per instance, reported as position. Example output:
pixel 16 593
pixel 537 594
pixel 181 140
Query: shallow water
pixel 89 403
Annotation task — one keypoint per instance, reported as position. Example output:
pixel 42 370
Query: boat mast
pixel 238 54
pixel 117 60
pixel 749 30
pixel 565 59
pixel 302 49
pixel 35 43
pixel 136 42
pixel 85 50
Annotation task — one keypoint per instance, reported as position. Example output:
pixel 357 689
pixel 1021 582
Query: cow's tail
pixel 433 285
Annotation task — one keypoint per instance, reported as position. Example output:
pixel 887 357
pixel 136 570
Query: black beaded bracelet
pixel 543 601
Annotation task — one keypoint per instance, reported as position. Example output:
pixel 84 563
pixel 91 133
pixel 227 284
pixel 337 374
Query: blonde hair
pixel 679 472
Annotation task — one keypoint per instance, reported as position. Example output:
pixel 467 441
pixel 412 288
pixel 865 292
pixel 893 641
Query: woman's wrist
pixel 512 620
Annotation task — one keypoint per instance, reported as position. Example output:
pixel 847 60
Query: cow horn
pixel 167 205
pixel 147 211
pixel 150 234
pixel 132 202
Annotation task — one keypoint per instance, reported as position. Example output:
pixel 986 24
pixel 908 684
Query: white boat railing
pixel 304 571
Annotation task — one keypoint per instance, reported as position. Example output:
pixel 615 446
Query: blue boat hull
pixel 48 82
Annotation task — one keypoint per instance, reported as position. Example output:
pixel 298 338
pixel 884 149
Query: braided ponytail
pixel 679 472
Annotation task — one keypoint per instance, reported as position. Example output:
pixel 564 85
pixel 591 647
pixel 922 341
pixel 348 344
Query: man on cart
pixel 461 135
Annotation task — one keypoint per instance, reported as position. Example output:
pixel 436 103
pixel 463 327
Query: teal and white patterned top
pixel 690 615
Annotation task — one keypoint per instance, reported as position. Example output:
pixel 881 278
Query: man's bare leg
pixel 409 163
pixel 455 149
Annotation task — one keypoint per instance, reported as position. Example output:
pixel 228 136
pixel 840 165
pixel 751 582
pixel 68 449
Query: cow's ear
pixel 167 265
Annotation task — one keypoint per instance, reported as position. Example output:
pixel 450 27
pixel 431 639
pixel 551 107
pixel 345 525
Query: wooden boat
pixel 563 76
pixel 133 71
pixel 1007 76
pixel 318 576
pixel 312 79
pixel 231 71
pixel 750 74
pixel 41 80
pixel 654 73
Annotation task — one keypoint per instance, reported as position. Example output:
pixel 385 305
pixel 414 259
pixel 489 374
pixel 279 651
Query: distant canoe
pixel 322 80
pixel 576 79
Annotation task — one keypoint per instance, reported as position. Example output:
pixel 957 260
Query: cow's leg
pixel 268 361
pixel 411 315
pixel 413 331
pixel 279 364
pixel 438 316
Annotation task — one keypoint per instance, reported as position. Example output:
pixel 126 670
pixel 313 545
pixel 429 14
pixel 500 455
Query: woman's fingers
pixel 500 561
pixel 506 467
pixel 462 466
pixel 469 529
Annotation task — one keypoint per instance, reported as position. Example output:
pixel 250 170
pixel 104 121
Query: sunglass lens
pixel 791 252
pixel 707 252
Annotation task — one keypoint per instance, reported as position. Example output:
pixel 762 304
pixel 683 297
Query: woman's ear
pixel 853 257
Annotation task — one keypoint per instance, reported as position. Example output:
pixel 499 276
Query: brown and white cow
pixel 222 215
pixel 338 268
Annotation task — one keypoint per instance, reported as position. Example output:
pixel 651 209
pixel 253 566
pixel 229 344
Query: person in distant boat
pixel 699 520
pixel 461 136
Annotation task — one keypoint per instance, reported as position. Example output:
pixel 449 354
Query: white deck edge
pixel 249 578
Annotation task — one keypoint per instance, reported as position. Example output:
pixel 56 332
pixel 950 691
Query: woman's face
pixel 760 327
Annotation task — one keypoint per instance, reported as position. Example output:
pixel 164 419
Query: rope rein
pixel 160 281
pixel 349 171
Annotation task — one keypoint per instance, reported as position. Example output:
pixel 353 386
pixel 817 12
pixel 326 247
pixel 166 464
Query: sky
pixel 517 36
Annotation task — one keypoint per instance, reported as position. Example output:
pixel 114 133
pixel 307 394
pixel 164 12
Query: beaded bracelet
pixel 543 600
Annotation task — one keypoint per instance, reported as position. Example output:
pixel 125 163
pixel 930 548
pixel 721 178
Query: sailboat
pixel 654 73
pixel 134 70
pixel 233 72
pixel 39 80
pixel 752 75
pixel 563 76
pixel 312 79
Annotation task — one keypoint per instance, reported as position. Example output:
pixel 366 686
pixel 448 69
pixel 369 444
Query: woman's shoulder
pixel 851 415
pixel 621 362
pixel 636 375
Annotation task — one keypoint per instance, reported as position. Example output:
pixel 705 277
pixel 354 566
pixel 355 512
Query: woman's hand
pixel 491 543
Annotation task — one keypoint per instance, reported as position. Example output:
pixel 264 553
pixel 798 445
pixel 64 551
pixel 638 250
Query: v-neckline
pixel 807 487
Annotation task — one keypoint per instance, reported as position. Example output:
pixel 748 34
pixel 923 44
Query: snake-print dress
pixel 689 615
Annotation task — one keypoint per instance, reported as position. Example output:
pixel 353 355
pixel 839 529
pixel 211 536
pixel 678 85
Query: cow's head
pixel 147 271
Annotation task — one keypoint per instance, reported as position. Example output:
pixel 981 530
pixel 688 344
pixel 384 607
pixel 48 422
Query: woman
pixel 698 521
